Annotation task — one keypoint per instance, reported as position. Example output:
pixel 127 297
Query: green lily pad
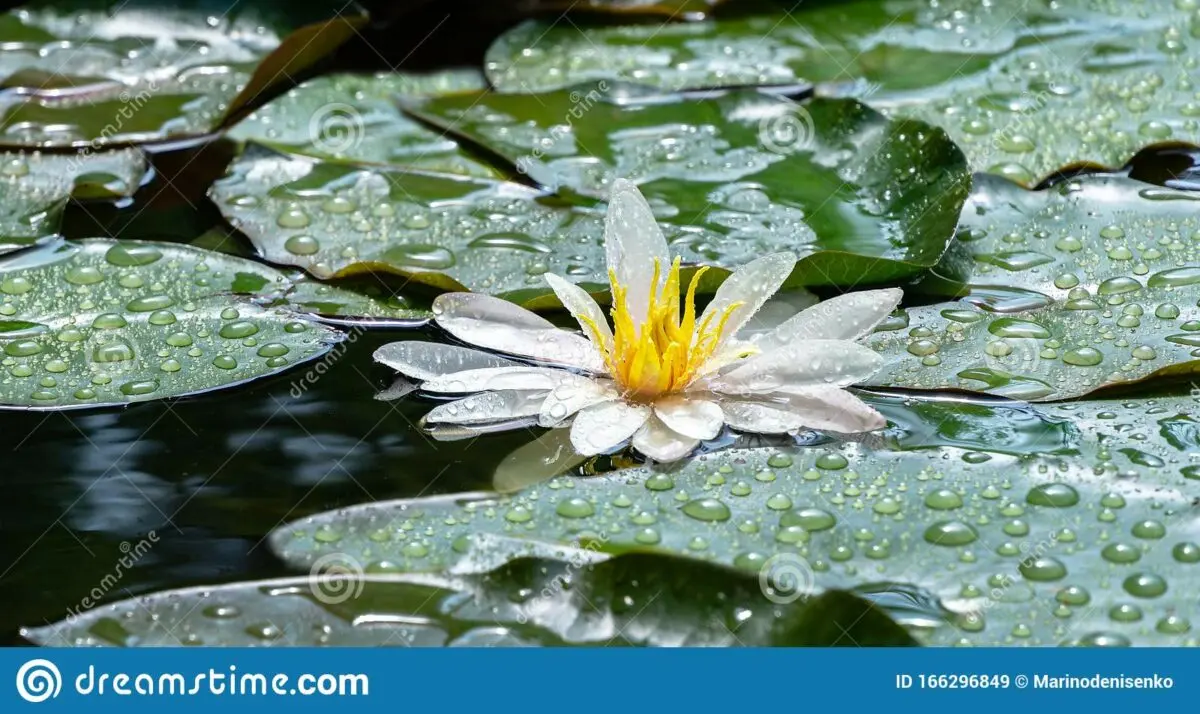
pixel 529 602
pixel 369 299
pixel 36 187
pixel 1088 284
pixel 860 198
pixel 1092 544
pixel 1023 90
pixel 338 220
pixel 95 73
pixel 348 117
pixel 102 322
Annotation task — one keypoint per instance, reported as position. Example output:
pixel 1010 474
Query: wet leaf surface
pixel 95 73
pixel 1091 283
pixel 354 118
pixel 1024 90
pixel 103 322
pixel 36 186
pixel 860 198
pixel 1092 544
pixel 637 600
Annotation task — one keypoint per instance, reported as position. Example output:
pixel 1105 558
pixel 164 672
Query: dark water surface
pixel 210 477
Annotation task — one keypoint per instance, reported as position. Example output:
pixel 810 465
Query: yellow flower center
pixel 665 355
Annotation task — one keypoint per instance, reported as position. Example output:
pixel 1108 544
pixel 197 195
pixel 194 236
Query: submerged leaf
pixel 1087 541
pixel 634 600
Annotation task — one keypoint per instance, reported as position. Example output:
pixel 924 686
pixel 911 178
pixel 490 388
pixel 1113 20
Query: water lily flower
pixel 660 375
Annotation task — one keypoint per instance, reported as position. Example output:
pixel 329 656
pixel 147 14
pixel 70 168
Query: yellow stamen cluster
pixel 664 356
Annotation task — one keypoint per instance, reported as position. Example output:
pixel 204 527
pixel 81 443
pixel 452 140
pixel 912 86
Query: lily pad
pixel 349 117
pixel 1024 90
pixel 95 72
pixel 861 198
pixel 338 220
pixel 102 322
pixel 366 300
pixel 1088 284
pixel 36 186
pixel 636 600
pixel 1094 545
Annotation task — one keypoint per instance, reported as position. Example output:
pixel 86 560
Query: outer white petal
pixel 779 309
pixel 568 398
pixel 605 426
pixel 659 442
pixel 489 407
pixel 811 363
pixel 632 242
pixel 759 418
pixel 824 408
pixel 845 317
pixel 752 285
pixel 581 305
pixel 426 360
pixel 498 378
pixel 500 325
pixel 690 416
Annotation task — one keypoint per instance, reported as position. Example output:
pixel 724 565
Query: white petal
pixel 812 363
pixel 659 442
pixel 845 317
pixel 582 305
pixel 498 378
pixel 632 243
pixel 488 407
pixel 547 456
pixel 500 325
pixel 488 308
pixel 693 417
pixel 759 418
pixel 568 398
pixel 605 426
pixel 751 285
pixel 426 360
pixel 778 310
pixel 824 408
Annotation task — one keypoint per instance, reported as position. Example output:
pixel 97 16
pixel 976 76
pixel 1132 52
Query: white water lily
pixel 660 375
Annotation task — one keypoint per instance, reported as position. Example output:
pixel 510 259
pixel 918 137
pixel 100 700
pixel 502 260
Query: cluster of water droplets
pixel 104 322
